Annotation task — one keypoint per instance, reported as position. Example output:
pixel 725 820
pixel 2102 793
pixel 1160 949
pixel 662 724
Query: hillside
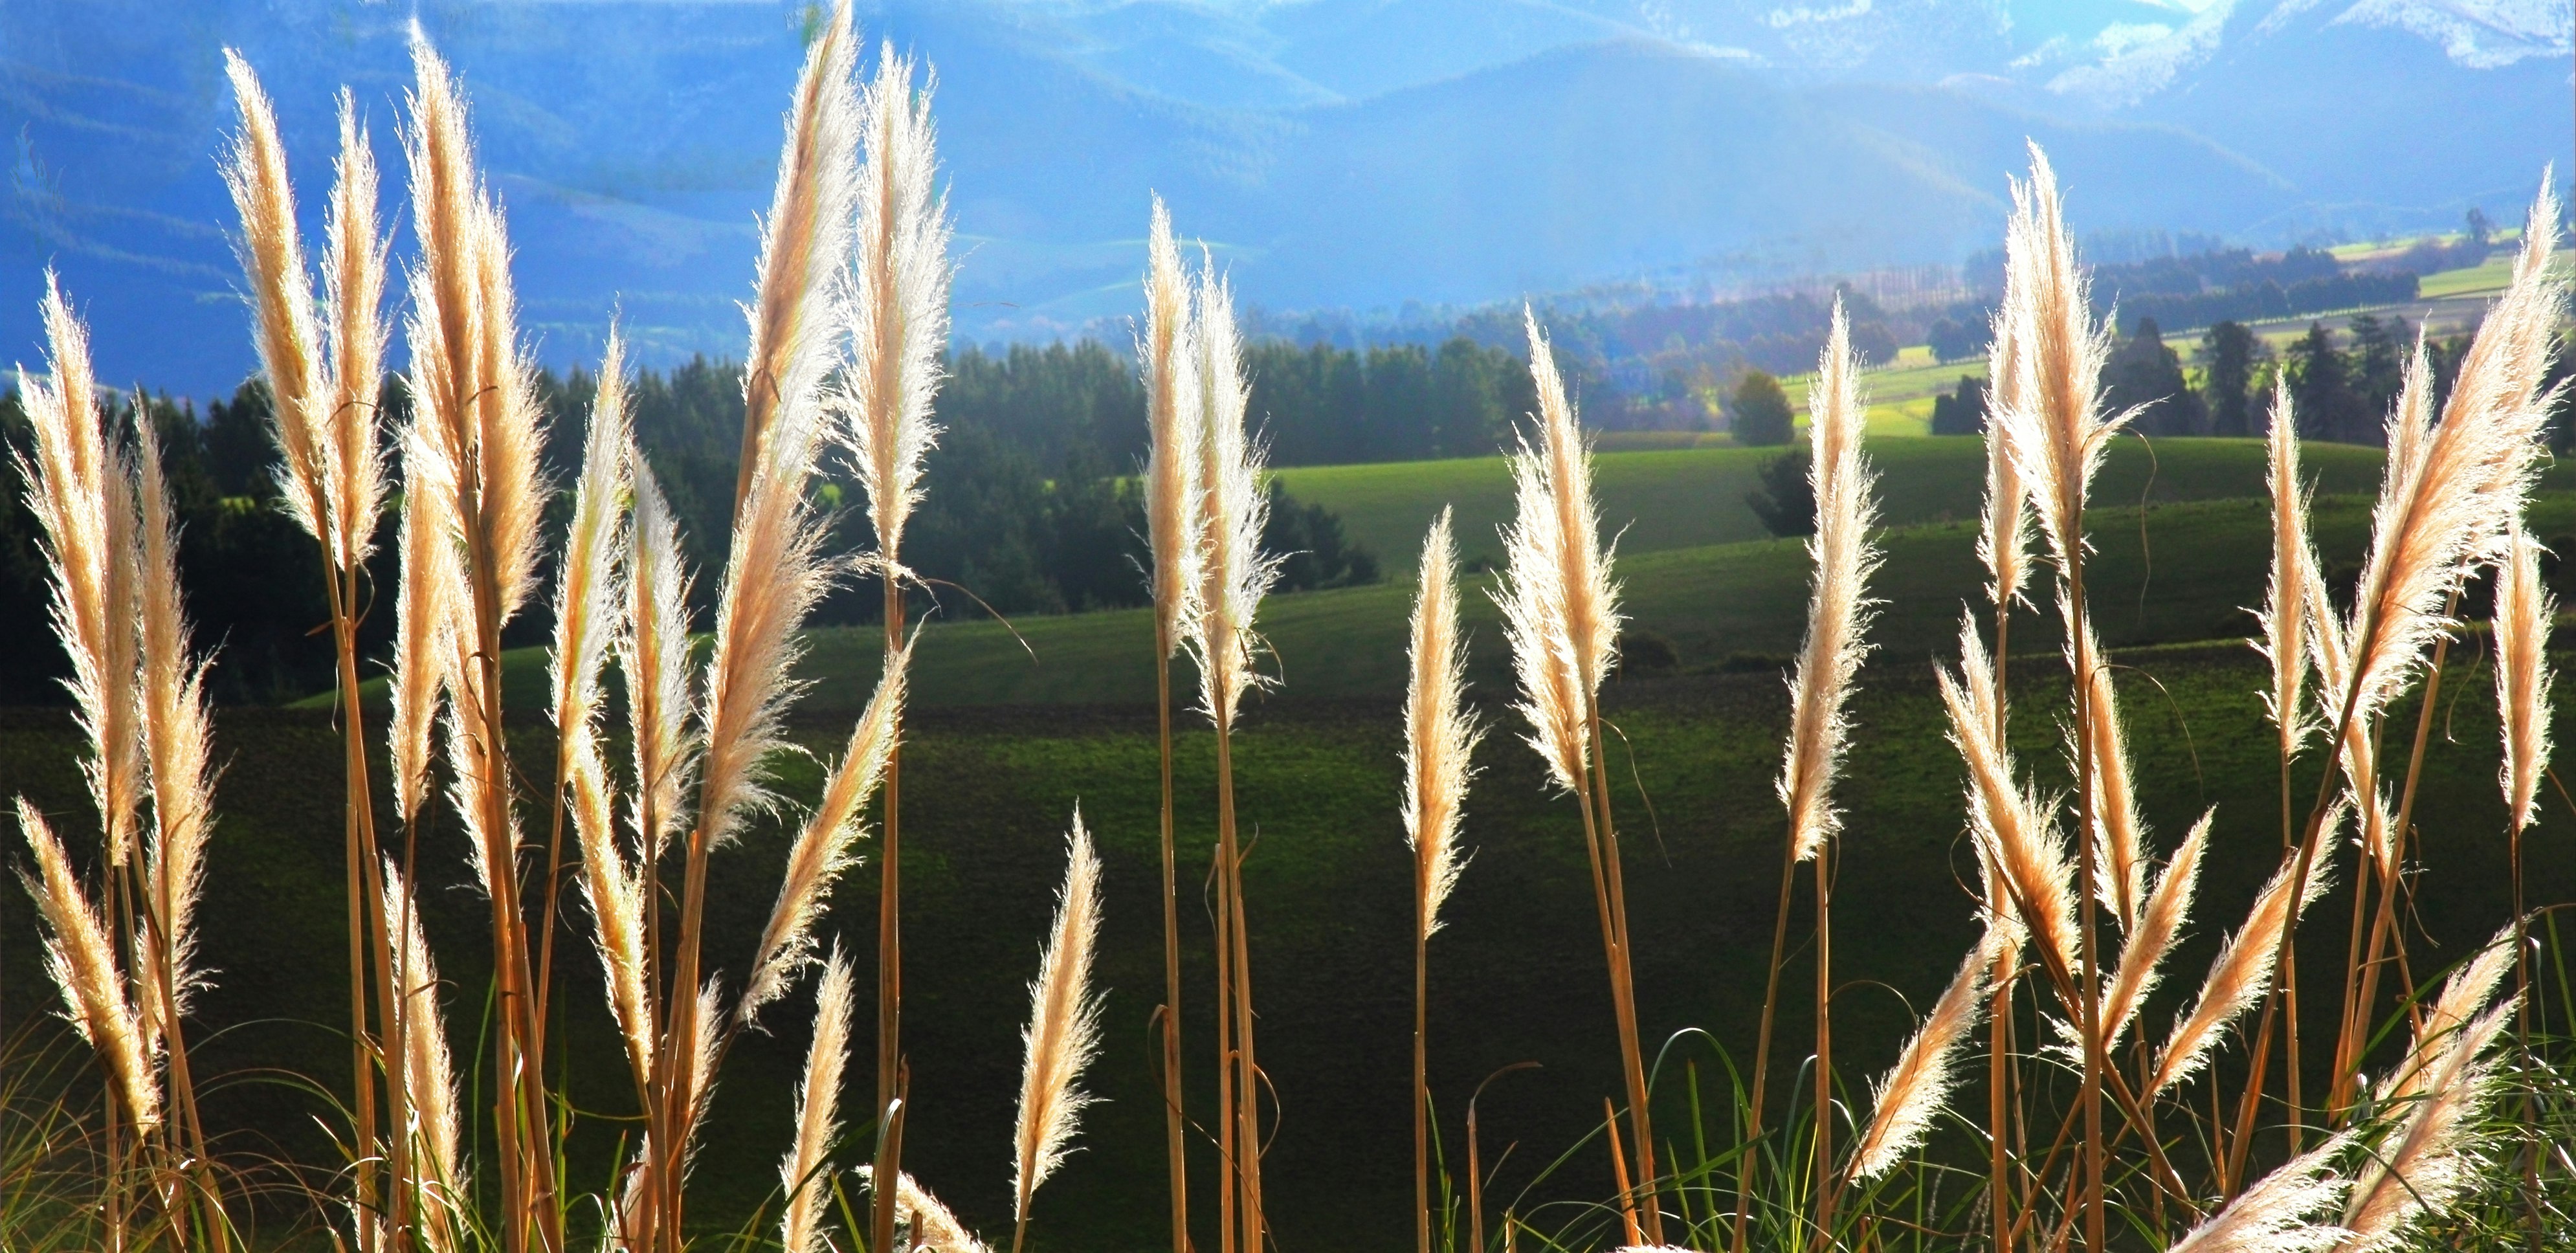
pixel 2177 570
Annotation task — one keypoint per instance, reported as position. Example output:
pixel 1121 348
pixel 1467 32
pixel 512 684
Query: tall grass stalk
pixel 323 419
pixel 1439 739
pixel 1234 576
pixel 1561 617
pixel 898 325
pixel 1172 530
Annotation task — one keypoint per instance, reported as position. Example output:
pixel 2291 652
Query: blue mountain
pixel 1335 153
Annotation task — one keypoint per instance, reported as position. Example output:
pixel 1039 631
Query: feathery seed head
pixel 898 299
pixel 2153 935
pixel 2003 532
pixel 281 297
pixel 586 591
pixel 1063 1035
pixel 1234 573
pixel 803 1173
pixel 1440 734
pixel 1838 606
pixel 798 316
pixel 2272 1215
pixel 2242 972
pixel 2058 431
pixel 1560 610
pixel 1906 1098
pixel 429 1072
pixel 2524 614
pixel 354 279
pixel 82 960
pixel 2285 612
pixel 424 625
pixel 653 659
pixel 616 898
pixel 178 733
pixel 2013 825
pixel 77 485
pixel 1172 488
pixel 823 845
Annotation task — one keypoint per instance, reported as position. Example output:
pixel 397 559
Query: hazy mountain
pixel 1356 153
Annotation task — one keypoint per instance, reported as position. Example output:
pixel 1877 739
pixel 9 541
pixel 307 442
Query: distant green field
pixel 1683 498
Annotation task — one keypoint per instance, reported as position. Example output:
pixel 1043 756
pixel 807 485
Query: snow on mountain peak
pixel 2476 34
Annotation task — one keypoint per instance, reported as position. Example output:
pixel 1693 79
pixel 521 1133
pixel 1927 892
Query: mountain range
pixel 1354 154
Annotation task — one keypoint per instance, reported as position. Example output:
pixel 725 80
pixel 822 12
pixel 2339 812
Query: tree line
pixel 2340 383
pixel 1031 503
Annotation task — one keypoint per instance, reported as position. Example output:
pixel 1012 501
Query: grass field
pixel 1515 973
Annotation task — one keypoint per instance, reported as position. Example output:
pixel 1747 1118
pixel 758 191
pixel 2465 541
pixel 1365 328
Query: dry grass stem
pixel 804 1174
pixel 1063 1032
pixel 1838 606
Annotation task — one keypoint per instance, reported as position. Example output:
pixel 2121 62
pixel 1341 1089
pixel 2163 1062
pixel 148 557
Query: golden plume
pixel 1063 1033
pixel 1440 734
pixel 77 488
pixel 81 958
pixel 429 1075
pixel 2285 611
pixel 823 845
pixel 1233 510
pixel 2524 613
pixel 899 301
pixel 2241 974
pixel 1560 611
pixel 797 315
pixel 653 659
pixel 178 742
pixel 1172 489
pixel 805 1172
pixel 1838 605
pixel 1905 1099
pixel 2058 434
pixel 281 296
pixel 354 281
pixel 2011 824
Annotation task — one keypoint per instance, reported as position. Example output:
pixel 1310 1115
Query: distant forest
pixel 2341 385
pixel 1030 505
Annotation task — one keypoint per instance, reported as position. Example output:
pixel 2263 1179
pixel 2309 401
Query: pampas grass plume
pixel 1172 488
pixel 802 1174
pixel 82 960
pixel 2524 613
pixel 1838 607
pixel 822 848
pixel 1440 735
pixel 1063 1033
pixel 899 298
pixel 1910 1093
